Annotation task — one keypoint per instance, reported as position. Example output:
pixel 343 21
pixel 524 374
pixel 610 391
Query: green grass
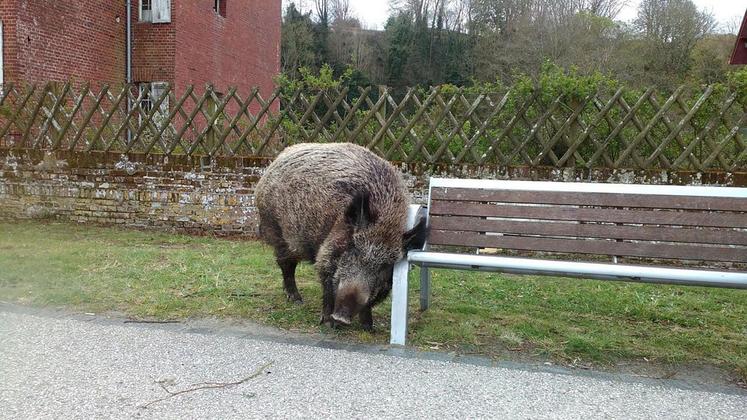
pixel 165 276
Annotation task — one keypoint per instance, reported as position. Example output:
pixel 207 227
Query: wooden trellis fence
pixel 687 130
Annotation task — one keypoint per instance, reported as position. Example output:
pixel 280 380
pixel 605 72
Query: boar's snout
pixel 351 297
pixel 341 318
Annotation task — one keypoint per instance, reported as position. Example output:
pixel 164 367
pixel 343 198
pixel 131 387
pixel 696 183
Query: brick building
pixel 180 42
pixel 739 54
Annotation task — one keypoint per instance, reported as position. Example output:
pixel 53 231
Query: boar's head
pixel 373 245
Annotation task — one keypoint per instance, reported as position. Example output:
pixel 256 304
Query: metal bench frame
pixel 603 271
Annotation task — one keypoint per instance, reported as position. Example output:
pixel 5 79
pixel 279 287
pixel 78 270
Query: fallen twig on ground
pixel 145 321
pixel 206 385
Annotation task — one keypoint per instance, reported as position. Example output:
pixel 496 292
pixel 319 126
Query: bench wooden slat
pixel 585 230
pixel 679 202
pixel 589 246
pixel 663 217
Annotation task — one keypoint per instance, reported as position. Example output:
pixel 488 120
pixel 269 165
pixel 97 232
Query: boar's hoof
pixel 366 319
pixel 295 298
pixel 327 320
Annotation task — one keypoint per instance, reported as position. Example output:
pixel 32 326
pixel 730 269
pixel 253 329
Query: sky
pixel 373 13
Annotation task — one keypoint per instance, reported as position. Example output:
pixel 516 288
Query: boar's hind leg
pixel 270 231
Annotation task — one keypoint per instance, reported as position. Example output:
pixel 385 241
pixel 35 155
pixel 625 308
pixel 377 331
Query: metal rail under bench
pixel 686 235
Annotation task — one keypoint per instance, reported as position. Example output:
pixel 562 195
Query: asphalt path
pixel 85 366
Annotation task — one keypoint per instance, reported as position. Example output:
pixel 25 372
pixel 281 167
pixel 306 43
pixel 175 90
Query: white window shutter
pixel 161 11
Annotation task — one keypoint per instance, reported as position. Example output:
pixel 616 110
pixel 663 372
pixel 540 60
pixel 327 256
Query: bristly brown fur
pixel 341 207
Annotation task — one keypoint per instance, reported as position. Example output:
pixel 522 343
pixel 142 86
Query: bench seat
pixel 600 271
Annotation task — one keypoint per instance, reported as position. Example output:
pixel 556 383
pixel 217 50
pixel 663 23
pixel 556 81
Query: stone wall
pixel 135 190
pixel 198 196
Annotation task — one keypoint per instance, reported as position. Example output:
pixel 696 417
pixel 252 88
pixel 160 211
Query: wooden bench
pixel 643 233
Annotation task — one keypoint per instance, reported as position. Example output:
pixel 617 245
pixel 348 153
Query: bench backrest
pixel 706 224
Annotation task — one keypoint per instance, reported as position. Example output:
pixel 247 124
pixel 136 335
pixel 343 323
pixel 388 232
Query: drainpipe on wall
pixel 128 64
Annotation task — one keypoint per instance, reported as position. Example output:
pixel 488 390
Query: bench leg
pixel 399 303
pixel 425 288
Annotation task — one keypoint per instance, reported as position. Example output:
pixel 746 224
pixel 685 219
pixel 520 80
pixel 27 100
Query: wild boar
pixel 343 208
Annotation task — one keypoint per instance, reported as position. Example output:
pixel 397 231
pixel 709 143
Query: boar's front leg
pixel 328 304
pixel 366 318
pixel 328 296
pixel 326 265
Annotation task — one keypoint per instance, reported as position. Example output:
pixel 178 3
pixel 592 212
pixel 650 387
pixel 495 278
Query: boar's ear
pixel 359 213
pixel 415 237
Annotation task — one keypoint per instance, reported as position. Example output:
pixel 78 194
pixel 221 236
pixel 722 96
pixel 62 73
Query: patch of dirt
pixel 526 353
pixel 689 372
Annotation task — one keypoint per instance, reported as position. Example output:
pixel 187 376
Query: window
pixel 146 104
pixel 145 11
pixel 150 93
pixel 156 11
pixel 157 90
pixel 220 7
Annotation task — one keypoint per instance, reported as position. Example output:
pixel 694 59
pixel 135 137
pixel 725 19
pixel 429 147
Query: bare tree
pixel 604 8
pixel 418 10
pixel 670 29
pixel 732 25
pixel 341 10
pixel 321 9
pixel 673 21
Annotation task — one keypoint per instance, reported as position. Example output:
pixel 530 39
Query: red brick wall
pixel 60 39
pixel 242 49
pixel 10 51
pixel 153 47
